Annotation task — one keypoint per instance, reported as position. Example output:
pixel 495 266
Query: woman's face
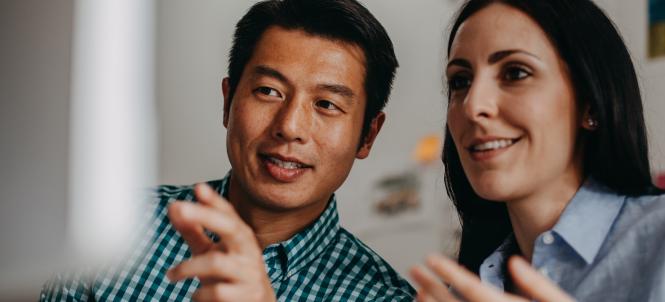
pixel 512 111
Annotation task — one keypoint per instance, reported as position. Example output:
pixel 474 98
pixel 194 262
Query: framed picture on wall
pixel 656 28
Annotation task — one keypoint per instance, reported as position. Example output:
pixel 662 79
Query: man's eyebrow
pixel 499 55
pixel 270 72
pixel 338 89
pixel 342 90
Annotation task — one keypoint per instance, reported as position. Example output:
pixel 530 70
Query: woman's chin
pixel 494 190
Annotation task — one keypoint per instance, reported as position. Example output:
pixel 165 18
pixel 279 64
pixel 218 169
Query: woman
pixel 546 157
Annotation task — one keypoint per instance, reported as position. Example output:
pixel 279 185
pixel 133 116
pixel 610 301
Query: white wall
pixel 632 19
pixel 193 41
pixel 35 39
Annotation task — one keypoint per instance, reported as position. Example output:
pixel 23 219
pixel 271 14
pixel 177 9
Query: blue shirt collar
pixel 588 218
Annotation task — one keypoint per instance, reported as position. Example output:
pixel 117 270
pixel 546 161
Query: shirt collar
pixel 283 259
pixel 308 244
pixel 491 269
pixel 588 218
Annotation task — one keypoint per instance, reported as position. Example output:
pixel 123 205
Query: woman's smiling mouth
pixel 486 149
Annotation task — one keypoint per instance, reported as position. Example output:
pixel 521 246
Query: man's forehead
pixel 292 41
pixel 296 55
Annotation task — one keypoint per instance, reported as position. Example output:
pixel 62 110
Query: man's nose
pixel 293 121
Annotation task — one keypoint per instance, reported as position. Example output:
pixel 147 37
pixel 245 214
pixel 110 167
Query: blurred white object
pixel 112 122
pixel 77 134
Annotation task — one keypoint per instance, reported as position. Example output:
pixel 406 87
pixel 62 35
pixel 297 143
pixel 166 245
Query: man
pixel 307 83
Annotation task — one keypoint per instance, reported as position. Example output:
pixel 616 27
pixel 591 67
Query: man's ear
pixel 227 100
pixel 373 131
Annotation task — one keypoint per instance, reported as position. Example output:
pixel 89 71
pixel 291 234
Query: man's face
pixel 295 120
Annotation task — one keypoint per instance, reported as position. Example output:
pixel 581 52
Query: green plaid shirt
pixel 323 262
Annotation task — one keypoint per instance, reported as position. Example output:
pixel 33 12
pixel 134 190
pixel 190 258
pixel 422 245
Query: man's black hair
pixel 341 20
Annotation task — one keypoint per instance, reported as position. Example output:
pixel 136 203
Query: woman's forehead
pixel 499 27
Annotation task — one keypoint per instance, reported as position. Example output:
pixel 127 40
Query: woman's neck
pixel 539 212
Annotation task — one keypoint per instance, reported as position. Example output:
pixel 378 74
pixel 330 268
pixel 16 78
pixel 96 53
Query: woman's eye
pixel 515 74
pixel 328 105
pixel 458 83
pixel 268 91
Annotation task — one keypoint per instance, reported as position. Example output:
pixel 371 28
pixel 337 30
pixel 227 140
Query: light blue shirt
pixel 605 247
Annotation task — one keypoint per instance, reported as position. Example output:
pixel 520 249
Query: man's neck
pixel 272 225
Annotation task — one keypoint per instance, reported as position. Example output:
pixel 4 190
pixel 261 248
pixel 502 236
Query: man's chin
pixel 282 202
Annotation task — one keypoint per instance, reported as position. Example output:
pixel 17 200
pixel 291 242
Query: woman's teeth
pixel 493 145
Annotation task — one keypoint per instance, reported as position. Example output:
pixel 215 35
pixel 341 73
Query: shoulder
pixel 381 280
pixel 164 194
pixel 648 203
pixel 67 287
pixel 645 210
pixel 640 227
pixel 154 247
pixel 637 243
pixel 155 216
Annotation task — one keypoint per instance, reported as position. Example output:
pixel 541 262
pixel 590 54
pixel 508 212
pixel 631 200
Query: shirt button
pixel 543 271
pixel 548 238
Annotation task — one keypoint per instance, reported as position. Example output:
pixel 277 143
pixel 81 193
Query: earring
pixel 593 124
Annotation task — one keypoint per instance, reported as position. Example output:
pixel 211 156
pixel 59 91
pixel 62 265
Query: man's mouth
pixel 282 168
pixel 285 164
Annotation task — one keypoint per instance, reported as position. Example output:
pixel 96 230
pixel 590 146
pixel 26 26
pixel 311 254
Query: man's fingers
pixel 533 283
pixel 464 282
pixel 212 213
pixel 188 228
pixel 233 292
pixel 209 197
pixel 423 297
pixel 236 236
pixel 431 287
pixel 218 292
pixel 206 195
pixel 214 266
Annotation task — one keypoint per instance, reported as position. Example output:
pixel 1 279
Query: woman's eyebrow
pixel 459 62
pixel 499 55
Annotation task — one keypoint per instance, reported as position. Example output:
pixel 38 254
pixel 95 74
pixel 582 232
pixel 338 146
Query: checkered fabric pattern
pixel 323 262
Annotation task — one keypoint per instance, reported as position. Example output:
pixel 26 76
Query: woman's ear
pixel 589 122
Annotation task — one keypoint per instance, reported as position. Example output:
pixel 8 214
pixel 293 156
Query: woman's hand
pixel 469 287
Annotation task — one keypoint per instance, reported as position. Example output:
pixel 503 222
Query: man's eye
pixel 328 105
pixel 458 83
pixel 268 91
pixel 515 74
